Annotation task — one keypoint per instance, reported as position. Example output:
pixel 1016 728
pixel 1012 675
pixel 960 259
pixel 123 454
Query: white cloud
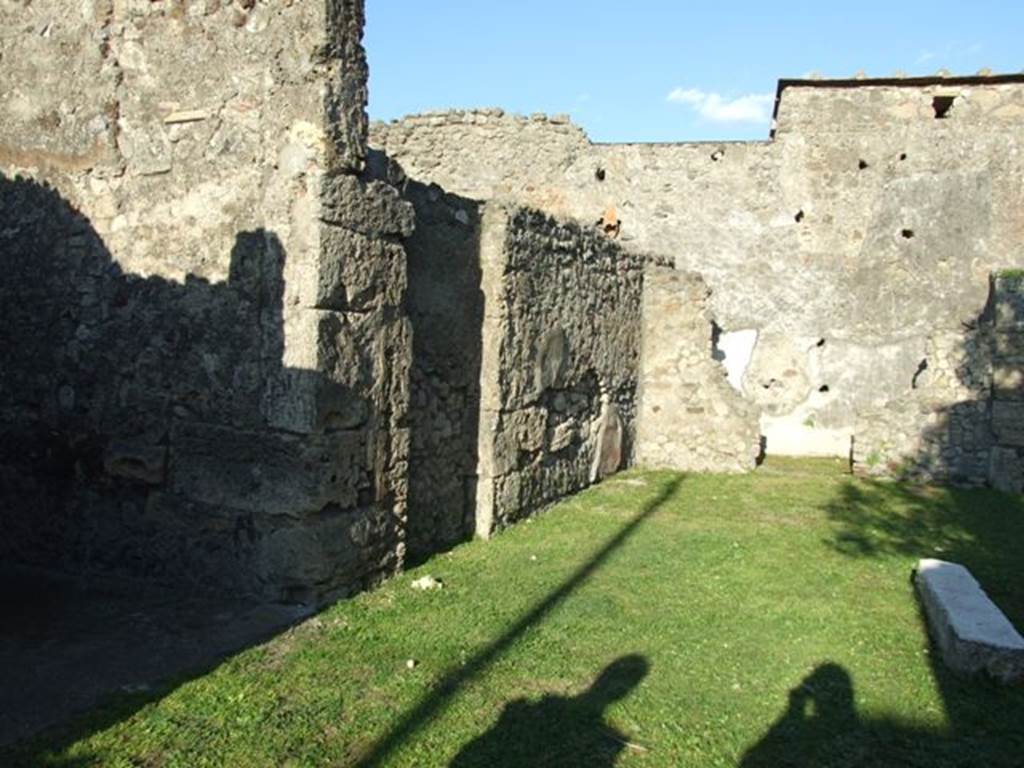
pixel 752 108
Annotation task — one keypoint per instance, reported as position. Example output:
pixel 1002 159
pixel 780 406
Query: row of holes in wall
pixel 907 234
pixel 601 174
pixel 717 354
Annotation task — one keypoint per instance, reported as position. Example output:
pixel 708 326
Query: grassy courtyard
pixel 655 620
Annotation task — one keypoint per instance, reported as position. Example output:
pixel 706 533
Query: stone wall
pixel 204 372
pixel 690 418
pixel 969 400
pixel 560 361
pixel 1006 467
pixel 446 311
pixel 844 254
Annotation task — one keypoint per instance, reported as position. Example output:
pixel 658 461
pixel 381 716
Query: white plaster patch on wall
pixel 735 349
pixel 797 434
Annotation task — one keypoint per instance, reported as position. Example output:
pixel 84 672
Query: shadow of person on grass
pixel 822 728
pixel 559 730
pixel 820 714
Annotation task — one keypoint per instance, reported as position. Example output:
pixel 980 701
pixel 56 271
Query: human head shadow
pixel 104 375
pixel 455 678
pixel 820 709
pixel 559 730
pixel 821 727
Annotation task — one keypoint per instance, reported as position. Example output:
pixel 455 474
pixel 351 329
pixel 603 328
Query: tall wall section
pixel 690 418
pixel 445 305
pixel 559 361
pixel 847 257
pixel 526 349
pixel 203 353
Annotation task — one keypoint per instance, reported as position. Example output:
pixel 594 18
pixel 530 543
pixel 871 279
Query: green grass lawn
pixel 655 620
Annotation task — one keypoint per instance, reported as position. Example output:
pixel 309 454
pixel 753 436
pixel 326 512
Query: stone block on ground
pixel 970 631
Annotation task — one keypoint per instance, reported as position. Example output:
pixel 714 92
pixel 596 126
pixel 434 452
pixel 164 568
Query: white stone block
pixel 968 628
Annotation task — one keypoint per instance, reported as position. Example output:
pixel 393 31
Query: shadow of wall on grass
pixel 821 727
pixel 982 529
pixel 455 678
pixel 559 730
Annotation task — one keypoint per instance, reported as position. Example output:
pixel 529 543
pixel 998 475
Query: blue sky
pixel 655 70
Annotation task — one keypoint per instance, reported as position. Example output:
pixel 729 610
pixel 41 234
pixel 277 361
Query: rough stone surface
pixel 446 311
pixel 865 222
pixel 961 420
pixel 690 417
pixel 240 351
pixel 559 361
pixel 204 357
pixel 969 629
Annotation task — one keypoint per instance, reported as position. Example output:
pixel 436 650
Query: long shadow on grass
pixel 457 677
pixel 821 727
pixel 981 529
pixel 559 730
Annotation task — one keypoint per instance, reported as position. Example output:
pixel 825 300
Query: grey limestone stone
pixel 970 631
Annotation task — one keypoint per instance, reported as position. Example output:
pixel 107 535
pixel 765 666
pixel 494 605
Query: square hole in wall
pixel 942 105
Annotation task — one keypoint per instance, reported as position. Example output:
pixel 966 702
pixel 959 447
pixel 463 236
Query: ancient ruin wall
pixel 205 359
pixel 690 418
pixel 842 255
pixel 1006 463
pixel 971 407
pixel 559 361
pixel 445 306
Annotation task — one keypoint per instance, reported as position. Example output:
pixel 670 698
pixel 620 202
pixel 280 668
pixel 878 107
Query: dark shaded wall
pixel 445 307
pixel 136 437
pixel 205 350
pixel 560 360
